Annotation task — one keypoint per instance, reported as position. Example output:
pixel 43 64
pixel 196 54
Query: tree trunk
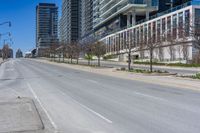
pixel 99 64
pixel 77 61
pixel 59 57
pixel 129 60
pixel 88 62
pixel 63 57
pixel 151 60
pixel 71 60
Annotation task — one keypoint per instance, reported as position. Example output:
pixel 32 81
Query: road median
pixel 169 80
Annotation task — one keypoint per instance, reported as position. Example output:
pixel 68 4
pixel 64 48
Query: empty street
pixel 75 101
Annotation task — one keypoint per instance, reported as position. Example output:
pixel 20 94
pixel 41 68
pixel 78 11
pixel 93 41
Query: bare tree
pixel 129 44
pixel 88 52
pixel 63 49
pixel 70 51
pixel 99 49
pixel 53 51
pixel 160 53
pixel 195 35
pixel 5 51
pixel 151 45
pixel 77 50
pixel 185 52
pixel 172 50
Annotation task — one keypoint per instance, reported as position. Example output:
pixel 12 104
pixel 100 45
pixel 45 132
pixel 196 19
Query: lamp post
pixel 4 41
pixel 7 33
pixel 7 22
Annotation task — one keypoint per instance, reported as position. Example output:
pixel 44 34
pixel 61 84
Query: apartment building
pixel 169 31
pixel 46 26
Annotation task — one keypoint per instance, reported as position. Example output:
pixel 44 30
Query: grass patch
pixel 142 71
pixel 172 64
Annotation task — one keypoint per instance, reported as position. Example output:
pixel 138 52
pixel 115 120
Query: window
pixel 180 24
pixel 187 22
pixel 158 30
pixel 169 28
pixel 163 28
pixel 149 32
pixel 145 33
pixel 154 32
pixel 174 26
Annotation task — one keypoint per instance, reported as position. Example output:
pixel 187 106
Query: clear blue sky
pixel 22 15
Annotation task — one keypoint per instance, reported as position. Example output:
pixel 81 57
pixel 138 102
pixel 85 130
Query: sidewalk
pixel 138 65
pixel 1 61
pixel 182 83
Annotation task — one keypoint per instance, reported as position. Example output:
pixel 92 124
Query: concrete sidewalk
pixel 170 69
pixel 183 83
pixel 1 61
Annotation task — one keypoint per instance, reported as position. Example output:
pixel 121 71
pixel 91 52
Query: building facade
pixel 46 26
pixel 86 17
pixel 167 32
pixel 19 54
pixel 70 23
pixel 112 15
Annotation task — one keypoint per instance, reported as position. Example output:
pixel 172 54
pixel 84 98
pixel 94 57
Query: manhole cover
pixel 19 116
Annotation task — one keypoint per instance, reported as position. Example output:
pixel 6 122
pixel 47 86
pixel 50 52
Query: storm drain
pixel 19 116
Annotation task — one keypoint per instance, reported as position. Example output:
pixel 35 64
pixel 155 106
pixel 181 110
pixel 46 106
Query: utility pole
pixel 8 22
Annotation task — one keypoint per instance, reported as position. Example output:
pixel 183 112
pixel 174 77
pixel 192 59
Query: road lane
pixel 84 102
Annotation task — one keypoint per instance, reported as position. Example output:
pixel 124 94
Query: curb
pixel 3 62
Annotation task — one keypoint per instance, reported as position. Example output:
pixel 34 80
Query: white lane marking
pixel 10 69
pixel 149 96
pixel 97 114
pixel 90 110
pixel 93 81
pixel 38 100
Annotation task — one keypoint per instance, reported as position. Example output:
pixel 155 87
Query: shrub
pixel 197 76
pixel 123 69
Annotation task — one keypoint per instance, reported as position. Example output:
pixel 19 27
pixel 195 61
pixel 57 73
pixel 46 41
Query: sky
pixel 21 13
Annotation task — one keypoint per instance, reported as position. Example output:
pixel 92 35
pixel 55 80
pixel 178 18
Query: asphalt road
pixel 83 102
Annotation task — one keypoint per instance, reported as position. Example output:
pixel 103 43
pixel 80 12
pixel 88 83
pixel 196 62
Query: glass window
pixel 149 33
pixel 145 33
pixel 169 28
pixel 134 38
pixel 197 19
pixel 137 36
pixel 141 34
pixel 121 41
pixel 187 22
pixel 154 3
pixel 163 28
pixel 174 26
pixel 158 30
pixel 180 24
pixel 154 32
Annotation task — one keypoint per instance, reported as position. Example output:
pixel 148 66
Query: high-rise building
pixel 86 17
pixel 110 15
pixel 19 54
pixel 167 4
pixel 46 26
pixel 170 31
pixel 70 23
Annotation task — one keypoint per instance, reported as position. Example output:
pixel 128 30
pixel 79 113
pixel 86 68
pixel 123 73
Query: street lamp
pixel 8 22
pixel 4 41
pixel 7 33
